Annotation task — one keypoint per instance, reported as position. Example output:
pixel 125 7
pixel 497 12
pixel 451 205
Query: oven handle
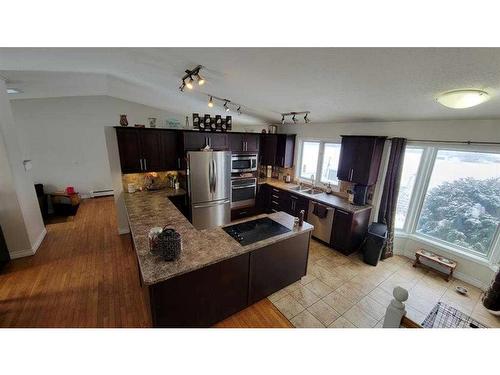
pixel 244 186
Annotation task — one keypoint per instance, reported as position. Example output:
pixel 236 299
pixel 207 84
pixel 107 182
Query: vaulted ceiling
pixel 335 84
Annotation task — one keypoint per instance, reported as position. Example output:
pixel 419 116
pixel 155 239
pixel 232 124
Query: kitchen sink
pixel 299 188
pixel 312 191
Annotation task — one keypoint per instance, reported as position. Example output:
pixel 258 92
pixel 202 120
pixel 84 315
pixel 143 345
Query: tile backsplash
pixel 142 180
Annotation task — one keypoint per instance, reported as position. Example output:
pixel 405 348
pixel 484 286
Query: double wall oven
pixel 243 180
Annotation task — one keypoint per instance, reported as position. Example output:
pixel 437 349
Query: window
pixel 411 164
pixel 309 162
pixel 320 160
pixel 462 202
pixel 331 155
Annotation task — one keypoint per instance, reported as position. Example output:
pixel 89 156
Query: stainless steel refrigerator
pixel 209 187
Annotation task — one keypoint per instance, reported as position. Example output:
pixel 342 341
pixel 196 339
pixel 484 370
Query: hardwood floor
pixel 85 275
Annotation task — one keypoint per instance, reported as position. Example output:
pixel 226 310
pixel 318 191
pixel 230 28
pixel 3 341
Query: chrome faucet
pixel 312 181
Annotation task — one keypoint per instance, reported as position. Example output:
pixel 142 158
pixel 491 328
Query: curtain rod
pixel 457 142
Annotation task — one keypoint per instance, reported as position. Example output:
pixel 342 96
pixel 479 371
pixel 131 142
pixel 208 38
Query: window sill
pixel 448 251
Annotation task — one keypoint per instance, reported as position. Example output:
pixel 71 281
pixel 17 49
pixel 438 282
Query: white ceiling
pixel 335 84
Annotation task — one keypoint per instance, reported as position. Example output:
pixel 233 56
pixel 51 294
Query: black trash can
pixel 374 243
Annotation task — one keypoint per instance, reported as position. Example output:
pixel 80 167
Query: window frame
pixel 319 167
pixel 418 195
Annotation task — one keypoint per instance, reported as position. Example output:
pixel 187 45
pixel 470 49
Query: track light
pixel 306 120
pixel 294 119
pixel 183 85
pixel 239 110
pixel 201 80
pixel 189 85
pixel 282 119
pixel 210 102
pixel 225 106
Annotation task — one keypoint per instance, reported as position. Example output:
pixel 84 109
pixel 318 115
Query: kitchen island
pixel 215 276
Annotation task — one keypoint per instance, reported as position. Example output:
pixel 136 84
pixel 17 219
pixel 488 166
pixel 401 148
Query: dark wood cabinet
pixel 349 230
pixel 194 141
pixel 202 297
pixel 275 266
pixel 297 204
pixel 239 142
pixel 285 148
pixel 360 158
pixel 273 200
pixel 268 143
pixel 218 141
pixel 277 150
pixel 263 202
pixel 150 150
pixel 129 147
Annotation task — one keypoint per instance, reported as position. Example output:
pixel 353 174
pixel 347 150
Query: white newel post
pixel 396 309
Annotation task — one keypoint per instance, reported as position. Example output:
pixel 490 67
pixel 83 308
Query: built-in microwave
pixel 243 163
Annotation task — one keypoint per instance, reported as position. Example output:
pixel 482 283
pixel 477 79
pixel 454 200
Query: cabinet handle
pixel 342 212
pixel 283 162
pixel 145 165
pixel 140 161
pixel 276 203
pixel 179 163
pixel 350 174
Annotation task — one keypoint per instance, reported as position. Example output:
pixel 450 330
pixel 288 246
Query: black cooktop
pixel 255 230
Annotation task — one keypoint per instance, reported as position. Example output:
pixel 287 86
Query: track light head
pixel 225 106
pixel 210 102
pixel 282 119
pixel 306 119
pixel 189 85
pixel 239 110
pixel 201 80
pixel 294 119
pixel 182 86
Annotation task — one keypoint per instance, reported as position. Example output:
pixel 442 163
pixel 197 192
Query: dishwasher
pixel 322 225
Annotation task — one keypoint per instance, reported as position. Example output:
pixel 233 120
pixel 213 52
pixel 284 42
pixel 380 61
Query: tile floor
pixel 343 292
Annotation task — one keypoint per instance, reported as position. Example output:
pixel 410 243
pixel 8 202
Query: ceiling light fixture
pixel 294 115
pixel 225 106
pixel 459 99
pixel 14 91
pixel 189 78
pixel 210 102
pixel 201 80
pixel 189 85
pixel 239 110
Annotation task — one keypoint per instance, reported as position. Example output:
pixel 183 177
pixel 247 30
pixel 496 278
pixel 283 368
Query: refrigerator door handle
pixel 214 172
pixel 210 177
pixel 211 204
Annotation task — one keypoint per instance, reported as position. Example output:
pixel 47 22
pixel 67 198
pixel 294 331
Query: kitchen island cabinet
pixel 215 276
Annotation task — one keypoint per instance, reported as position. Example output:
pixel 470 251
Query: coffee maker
pixel 360 194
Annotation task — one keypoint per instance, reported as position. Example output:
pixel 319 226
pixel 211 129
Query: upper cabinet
pixel 239 142
pixel 277 150
pixel 360 158
pixel 195 141
pixel 147 150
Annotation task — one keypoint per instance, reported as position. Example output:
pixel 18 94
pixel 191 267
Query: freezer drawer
pixel 210 215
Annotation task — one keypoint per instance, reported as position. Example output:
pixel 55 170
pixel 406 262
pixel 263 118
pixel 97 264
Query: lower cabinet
pixel 275 266
pixel 349 230
pixel 206 296
pixel 202 297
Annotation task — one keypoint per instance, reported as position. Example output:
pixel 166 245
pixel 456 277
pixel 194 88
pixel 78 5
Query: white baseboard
pixel 123 230
pixel 32 251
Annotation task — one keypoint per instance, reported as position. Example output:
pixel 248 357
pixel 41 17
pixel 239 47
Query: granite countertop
pixel 200 248
pixel 328 199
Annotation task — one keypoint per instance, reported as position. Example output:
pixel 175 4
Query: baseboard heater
pixel 101 193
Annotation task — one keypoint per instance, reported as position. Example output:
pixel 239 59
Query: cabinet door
pixel 170 150
pixel 152 150
pixel 286 202
pixel 252 142
pixel 268 144
pixel 218 142
pixel 275 266
pixel 264 198
pixel 195 141
pixel 129 148
pixel 348 152
pixel 236 142
pixel 285 150
pixel 341 230
pixel 298 204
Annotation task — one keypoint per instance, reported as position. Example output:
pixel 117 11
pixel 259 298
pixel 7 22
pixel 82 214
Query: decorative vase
pixel 152 122
pixel 123 120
